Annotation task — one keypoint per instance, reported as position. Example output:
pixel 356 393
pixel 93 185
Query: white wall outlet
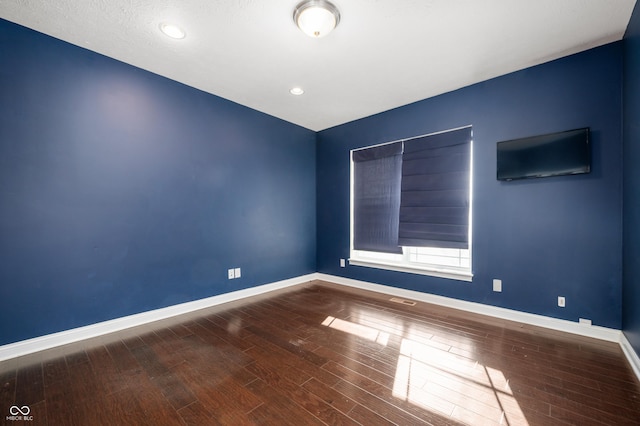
pixel 237 272
pixel 343 263
pixel 497 285
pixel 584 321
pixel 561 301
pixel 232 273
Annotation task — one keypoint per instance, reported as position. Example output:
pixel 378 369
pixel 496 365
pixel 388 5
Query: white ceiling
pixel 383 54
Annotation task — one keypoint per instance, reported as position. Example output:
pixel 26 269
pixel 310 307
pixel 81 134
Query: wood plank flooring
pixel 322 354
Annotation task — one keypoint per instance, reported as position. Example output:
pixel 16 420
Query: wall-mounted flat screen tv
pixel 554 154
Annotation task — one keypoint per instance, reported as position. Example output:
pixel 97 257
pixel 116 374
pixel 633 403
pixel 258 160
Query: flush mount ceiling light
pixel 297 91
pixel 316 18
pixel 173 31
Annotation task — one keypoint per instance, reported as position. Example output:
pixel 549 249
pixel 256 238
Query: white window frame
pixel 403 262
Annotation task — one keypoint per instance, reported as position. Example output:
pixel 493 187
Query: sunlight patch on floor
pixel 360 330
pixel 430 377
pixel 454 386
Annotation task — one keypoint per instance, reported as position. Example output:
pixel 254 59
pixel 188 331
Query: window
pixel 411 205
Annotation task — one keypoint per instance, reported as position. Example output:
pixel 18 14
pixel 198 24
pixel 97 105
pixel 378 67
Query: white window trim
pixel 433 272
pixel 461 274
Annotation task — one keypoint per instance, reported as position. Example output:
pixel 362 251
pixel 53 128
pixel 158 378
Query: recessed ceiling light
pixel 316 18
pixel 296 91
pixel 172 30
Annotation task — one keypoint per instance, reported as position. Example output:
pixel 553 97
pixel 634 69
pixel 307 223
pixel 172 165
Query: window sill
pixel 440 273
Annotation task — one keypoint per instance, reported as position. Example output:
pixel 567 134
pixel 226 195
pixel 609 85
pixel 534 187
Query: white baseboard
pixel 631 355
pixel 602 333
pixel 49 341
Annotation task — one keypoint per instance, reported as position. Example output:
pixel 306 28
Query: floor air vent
pixel 403 301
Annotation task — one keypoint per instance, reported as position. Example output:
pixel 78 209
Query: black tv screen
pixel 554 154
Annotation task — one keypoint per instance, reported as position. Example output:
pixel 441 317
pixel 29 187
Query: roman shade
pixel 376 203
pixel 434 207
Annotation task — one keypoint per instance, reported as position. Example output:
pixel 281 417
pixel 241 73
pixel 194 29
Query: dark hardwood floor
pixel 320 354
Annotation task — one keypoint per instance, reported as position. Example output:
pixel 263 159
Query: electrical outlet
pixel 584 321
pixel 497 285
pixel 343 263
pixel 232 273
pixel 561 301
pixel 237 272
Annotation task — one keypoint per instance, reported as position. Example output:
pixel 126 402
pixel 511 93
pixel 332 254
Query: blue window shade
pixel 434 208
pixel 376 199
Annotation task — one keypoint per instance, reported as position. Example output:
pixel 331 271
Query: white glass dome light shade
pixel 316 18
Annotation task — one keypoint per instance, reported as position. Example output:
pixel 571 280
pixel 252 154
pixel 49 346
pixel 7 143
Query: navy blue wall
pixel 631 288
pixel 122 191
pixel 550 237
